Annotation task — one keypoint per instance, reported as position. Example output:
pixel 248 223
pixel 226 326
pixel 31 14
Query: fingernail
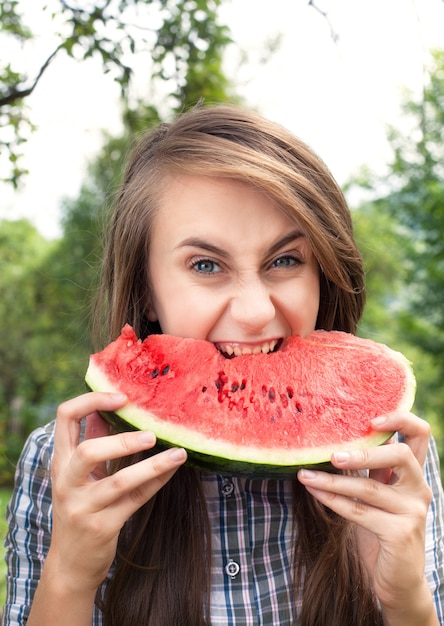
pixel 147 437
pixel 307 473
pixel 380 420
pixel 118 397
pixel 177 454
pixel 341 457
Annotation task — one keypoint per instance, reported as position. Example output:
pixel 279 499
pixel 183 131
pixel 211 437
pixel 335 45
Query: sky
pixel 338 95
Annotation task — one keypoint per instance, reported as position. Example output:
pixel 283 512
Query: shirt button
pixel 227 488
pixel 232 568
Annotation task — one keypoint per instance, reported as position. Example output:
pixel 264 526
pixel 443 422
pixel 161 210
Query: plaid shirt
pixel 251 522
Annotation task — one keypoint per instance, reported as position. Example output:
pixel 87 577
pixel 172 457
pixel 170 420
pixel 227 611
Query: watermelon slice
pixel 261 415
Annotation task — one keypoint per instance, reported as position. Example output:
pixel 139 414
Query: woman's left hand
pixel 389 508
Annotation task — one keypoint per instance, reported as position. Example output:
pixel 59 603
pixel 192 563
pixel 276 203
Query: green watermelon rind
pixel 315 458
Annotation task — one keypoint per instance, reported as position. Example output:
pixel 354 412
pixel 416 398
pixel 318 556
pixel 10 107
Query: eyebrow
pixel 195 242
pixel 284 241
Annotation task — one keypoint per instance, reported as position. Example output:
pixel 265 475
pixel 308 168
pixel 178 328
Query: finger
pixel 369 503
pixel 385 474
pixel 132 486
pixel 354 488
pixel 92 452
pixel 354 510
pixel 415 431
pixel 71 412
pixel 398 458
pixel 95 426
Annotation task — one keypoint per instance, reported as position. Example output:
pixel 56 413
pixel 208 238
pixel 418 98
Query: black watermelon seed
pixel 235 387
pixel 154 373
pixel 204 389
pixel 165 370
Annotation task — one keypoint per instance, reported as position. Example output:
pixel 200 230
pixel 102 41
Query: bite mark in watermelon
pixel 261 415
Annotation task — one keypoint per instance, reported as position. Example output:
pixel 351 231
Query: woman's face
pixel 226 265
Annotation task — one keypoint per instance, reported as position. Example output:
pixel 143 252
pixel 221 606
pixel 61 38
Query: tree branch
pixel 333 34
pixel 19 94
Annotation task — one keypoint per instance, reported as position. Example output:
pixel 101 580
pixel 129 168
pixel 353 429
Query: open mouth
pixel 230 351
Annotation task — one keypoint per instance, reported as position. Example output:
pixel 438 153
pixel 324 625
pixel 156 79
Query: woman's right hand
pixel 89 506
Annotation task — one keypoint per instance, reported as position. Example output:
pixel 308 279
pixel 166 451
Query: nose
pixel 252 305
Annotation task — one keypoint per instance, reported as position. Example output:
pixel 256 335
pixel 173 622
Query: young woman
pixel 229 229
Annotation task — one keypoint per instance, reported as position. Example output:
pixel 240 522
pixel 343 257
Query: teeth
pixel 265 348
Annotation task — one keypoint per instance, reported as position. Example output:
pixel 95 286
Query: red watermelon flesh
pixel 263 414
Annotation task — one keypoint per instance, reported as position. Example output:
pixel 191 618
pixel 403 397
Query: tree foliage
pixel 402 240
pixel 385 248
pixel 182 38
pixel 21 250
pixel 415 198
pixel 418 200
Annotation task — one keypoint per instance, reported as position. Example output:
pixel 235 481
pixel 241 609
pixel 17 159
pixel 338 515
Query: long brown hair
pixel 164 548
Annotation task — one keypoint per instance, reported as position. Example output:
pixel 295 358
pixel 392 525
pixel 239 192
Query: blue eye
pixel 206 266
pixel 286 261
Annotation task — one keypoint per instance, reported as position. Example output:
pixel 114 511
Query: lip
pixel 231 349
